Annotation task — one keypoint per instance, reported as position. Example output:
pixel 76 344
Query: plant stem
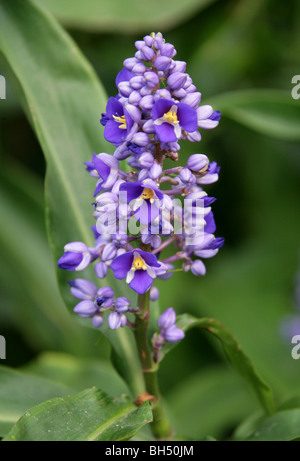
pixel 160 426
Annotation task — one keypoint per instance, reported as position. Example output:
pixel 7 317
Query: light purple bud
pixel 124 89
pixel 134 98
pixel 114 321
pixel 151 79
pixel 167 319
pixel 148 40
pixel 179 66
pixel 134 112
pixel 137 82
pixel 122 304
pixel 163 93
pixel 163 63
pixel 192 99
pixel 194 137
pixel 141 139
pixel 174 334
pixel 155 241
pixel 109 252
pixel 198 268
pixel 146 160
pixel 129 63
pixel 105 292
pixel 148 127
pixel 154 293
pixel 147 102
pixel 186 175
pixel 145 91
pixel 180 93
pixel 123 320
pixel 138 55
pixel 101 270
pixel 83 289
pixel 147 53
pixel 191 89
pixel 197 162
pixel 139 44
pixel 97 320
pixel 143 174
pixel 155 171
pixel 85 308
pixel 176 80
pixel 158 41
pixel 139 68
pixel 168 50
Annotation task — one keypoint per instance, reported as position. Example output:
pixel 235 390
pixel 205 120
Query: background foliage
pixel 242 56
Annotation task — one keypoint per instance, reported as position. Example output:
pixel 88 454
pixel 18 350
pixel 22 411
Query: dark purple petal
pixel 102 169
pixel 114 107
pixel 216 116
pixel 98 187
pixel 216 243
pixel 114 134
pixel 132 189
pixel 124 76
pixel 147 212
pixel 69 261
pixel 149 258
pixel 161 107
pixel 122 265
pixel 141 281
pixel 210 227
pixel 165 132
pixel 187 117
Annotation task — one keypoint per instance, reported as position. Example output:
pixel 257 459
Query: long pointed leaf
pixel 63 100
pixel 236 356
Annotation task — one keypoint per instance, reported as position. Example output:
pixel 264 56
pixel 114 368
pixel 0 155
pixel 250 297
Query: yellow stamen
pixel 122 121
pixel 147 194
pixel 171 117
pixel 139 263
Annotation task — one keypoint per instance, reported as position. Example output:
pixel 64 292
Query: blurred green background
pixel 242 56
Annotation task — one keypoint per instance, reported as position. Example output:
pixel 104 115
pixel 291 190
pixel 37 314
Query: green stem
pixel 160 426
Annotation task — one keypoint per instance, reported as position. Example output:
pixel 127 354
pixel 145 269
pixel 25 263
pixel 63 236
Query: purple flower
pixel 147 199
pixel 118 122
pixel 76 257
pixel 138 267
pixel 171 118
pixel 106 167
pixel 207 117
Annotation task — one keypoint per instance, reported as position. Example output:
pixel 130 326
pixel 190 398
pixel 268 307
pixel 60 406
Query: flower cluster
pixel 142 209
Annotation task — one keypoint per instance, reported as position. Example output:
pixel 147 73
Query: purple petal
pixel 149 258
pixel 114 321
pixel 114 107
pixel 161 107
pixel 141 281
pixel 187 117
pixel 210 227
pixel 133 191
pixel 122 265
pixel 114 134
pixel 124 76
pixel 166 132
pixel 102 168
pixel 69 261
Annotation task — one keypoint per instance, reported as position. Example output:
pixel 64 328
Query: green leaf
pixel 271 112
pixel 234 353
pixel 90 415
pixel 63 100
pixel 211 401
pixel 118 16
pixel 79 373
pixel 20 391
pixel 36 310
pixel 284 426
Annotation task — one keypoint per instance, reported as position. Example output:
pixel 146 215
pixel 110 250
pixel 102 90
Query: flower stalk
pixel 160 426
